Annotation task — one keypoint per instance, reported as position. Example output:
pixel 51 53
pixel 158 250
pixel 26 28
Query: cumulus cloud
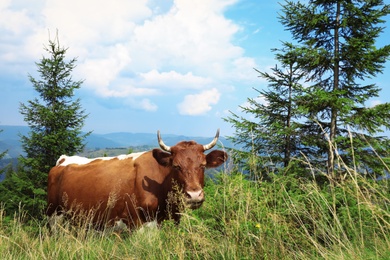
pixel 174 80
pixel 13 21
pixel 198 104
pixel 103 70
pixel 259 99
pixel 89 22
pixel 147 105
pixel 133 48
pixel 184 38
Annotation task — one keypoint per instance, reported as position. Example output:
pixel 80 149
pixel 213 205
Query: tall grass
pixel 286 218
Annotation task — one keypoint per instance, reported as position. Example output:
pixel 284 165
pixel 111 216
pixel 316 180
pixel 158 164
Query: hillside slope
pixel 10 140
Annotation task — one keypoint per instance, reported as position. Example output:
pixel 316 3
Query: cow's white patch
pixel 65 160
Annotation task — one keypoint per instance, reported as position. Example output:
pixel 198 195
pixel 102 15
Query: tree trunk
pixel 333 121
pixel 288 140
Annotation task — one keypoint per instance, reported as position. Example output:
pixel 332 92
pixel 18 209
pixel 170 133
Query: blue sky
pixel 175 65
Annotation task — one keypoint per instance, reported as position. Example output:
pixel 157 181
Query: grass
pixel 286 218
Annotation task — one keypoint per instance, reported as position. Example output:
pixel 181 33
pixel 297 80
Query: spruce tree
pixel 271 134
pixel 2 154
pixel 55 120
pixel 337 42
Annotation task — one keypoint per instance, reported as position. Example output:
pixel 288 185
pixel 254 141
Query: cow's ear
pixel 161 157
pixel 216 158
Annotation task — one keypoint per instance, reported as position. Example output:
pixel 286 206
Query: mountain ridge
pixel 10 140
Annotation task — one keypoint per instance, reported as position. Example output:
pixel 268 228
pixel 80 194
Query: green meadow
pixel 286 217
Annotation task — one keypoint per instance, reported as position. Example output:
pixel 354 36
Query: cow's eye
pixel 177 167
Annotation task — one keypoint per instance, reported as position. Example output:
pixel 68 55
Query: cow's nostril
pixel 195 199
pixel 195 195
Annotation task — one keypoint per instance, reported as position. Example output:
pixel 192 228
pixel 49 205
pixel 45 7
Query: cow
pixel 136 188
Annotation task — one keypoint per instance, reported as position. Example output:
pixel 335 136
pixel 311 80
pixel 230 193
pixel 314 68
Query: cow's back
pixel 106 186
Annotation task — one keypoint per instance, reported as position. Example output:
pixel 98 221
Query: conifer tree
pixel 272 134
pixel 337 42
pixel 2 154
pixel 55 120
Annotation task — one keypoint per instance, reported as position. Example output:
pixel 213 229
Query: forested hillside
pixel 10 140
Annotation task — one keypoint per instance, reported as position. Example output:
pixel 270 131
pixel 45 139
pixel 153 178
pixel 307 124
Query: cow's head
pixel 188 163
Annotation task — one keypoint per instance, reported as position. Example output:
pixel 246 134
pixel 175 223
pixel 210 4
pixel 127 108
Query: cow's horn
pixel 212 143
pixel 161 143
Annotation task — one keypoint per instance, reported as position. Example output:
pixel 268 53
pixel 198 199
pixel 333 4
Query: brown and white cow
pixel 132 188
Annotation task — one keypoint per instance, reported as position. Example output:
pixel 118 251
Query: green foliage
pixel 285 218
pixel 273 132
pixel 2 154
pixel 18 191
pixel 337 50
pixel 55 120
pixel 315 104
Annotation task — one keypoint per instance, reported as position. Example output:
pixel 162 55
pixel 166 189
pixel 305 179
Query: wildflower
pixel 258 225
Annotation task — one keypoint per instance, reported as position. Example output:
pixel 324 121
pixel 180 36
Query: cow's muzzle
pixel 194 199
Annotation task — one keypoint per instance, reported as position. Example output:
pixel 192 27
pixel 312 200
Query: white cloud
pixel 193 34
pixel 259 99
pixel 374 103
pixel 125 90
pixel 147 105
pixel 102 71
pixel 131 48
pixel 141 104
pixel 199 103
pixel 14 22
pixel 16 25
pixel 244 69
pixel 174 80
pixel 89 22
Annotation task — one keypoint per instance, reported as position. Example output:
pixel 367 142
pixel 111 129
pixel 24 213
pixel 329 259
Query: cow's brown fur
pixel 134 191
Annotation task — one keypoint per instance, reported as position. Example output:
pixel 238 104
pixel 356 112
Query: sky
pixel 178 66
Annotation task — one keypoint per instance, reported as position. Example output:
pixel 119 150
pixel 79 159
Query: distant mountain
pixel 10 140
pixel 94 141
pixel 123 139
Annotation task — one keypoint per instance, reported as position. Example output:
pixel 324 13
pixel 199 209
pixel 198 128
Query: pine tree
pixel 55 120
pixel 2 154
pixel 337 42
pixel 271 135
